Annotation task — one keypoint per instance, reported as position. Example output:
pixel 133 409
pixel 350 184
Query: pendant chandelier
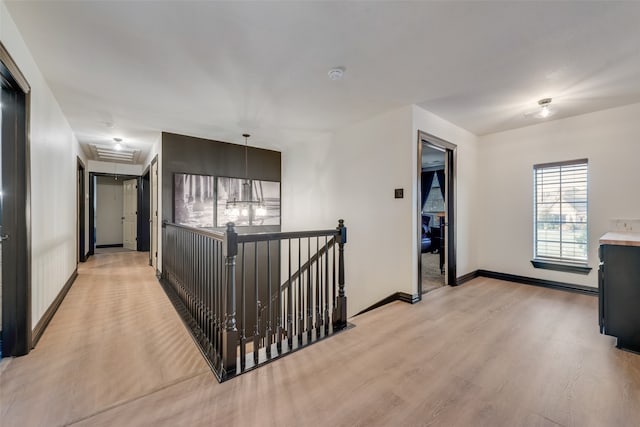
pixel 247 207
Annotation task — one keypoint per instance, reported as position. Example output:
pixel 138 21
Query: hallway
pixel 115 338
pixel 488 353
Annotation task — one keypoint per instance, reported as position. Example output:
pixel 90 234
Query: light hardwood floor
pixel 488 353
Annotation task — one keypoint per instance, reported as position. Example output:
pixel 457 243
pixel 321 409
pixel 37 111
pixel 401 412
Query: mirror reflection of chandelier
pixel 247 206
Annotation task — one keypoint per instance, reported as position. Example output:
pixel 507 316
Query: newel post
pixel 230 332
pixel 340 311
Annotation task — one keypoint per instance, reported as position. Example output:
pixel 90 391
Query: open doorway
pixel 118 204
pixel 432 197
pixel 436 219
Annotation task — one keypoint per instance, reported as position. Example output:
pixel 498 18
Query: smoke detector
pixel 336 73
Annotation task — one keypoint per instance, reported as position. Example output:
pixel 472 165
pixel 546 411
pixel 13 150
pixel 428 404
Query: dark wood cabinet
pixel 619 294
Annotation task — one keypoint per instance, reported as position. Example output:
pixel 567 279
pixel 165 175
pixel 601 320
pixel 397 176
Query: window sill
pixel 561 266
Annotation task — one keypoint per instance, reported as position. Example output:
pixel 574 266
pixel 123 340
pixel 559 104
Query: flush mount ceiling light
pixel 545 108
pixel 336 73
pixel 118 145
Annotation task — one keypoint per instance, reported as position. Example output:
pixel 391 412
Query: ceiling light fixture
pixel 246 205
pixel 545 109
pixel 118 146
pixel 336 73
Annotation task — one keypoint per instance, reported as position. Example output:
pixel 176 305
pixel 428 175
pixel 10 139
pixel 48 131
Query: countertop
pixel 622 238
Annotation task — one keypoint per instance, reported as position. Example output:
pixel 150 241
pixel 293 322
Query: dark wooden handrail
pixel 218 235
pixel 284 235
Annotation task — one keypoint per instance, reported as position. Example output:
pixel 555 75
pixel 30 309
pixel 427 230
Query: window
pixel 435 201
pixel 560 213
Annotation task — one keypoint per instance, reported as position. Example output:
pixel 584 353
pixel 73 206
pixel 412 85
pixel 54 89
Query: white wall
pixel 153 151
pixel 367 161
pixel 109 208
pixel 466 188
pixel 115 168
pixel 308 183
pixel 53 180
pixel 609 139
pixel 352 175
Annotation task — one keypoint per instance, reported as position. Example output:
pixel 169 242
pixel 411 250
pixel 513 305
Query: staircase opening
pixel 248 299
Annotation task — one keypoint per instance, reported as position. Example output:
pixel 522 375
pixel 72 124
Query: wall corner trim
pixel 567 287
pixel 48 315
pixel 398 296
pixel 466 277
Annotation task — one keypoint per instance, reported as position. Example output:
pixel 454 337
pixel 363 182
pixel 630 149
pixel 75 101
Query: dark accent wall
pixel 188 154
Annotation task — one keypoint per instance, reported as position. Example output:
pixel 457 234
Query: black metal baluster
pixel 326 285
pixel 201 285
pixel 268 331
pixel 309 291
pixel 187 267
pixel 333 282
pixel 191 281
pixel 279 318
pixel 222 279
pixel 216 301
pixel 209 260
pixel 199 281
pixel 290 305
pixel 212 301
pixel 198 257
pixel 243 305
pixel 300 309
pixel 318 301
pixel 256 334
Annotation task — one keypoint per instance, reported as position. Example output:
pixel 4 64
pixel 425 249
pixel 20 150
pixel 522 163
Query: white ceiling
pixel 218 69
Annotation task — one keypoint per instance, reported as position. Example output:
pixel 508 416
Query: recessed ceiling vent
pixel 111 153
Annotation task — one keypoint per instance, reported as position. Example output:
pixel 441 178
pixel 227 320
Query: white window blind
pixel 560 211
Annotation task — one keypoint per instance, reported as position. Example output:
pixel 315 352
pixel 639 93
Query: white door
pixel 130 214
pixel 154 215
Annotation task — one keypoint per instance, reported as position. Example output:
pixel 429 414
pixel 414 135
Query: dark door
pixel 81 215
pixel 14 171
pixel 143 212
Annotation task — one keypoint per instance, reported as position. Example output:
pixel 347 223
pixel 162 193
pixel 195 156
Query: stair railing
pixel 250 298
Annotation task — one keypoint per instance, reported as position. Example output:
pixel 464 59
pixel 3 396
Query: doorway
pixel 15 283
pixel 436 219
pixel 432 200
pixel 117 204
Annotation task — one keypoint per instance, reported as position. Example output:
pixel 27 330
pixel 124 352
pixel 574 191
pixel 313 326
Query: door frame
pixel 450 198
pixel 144 207
pixel 16 292
pixel 92 204
pixel 81 223
pixel 153 234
